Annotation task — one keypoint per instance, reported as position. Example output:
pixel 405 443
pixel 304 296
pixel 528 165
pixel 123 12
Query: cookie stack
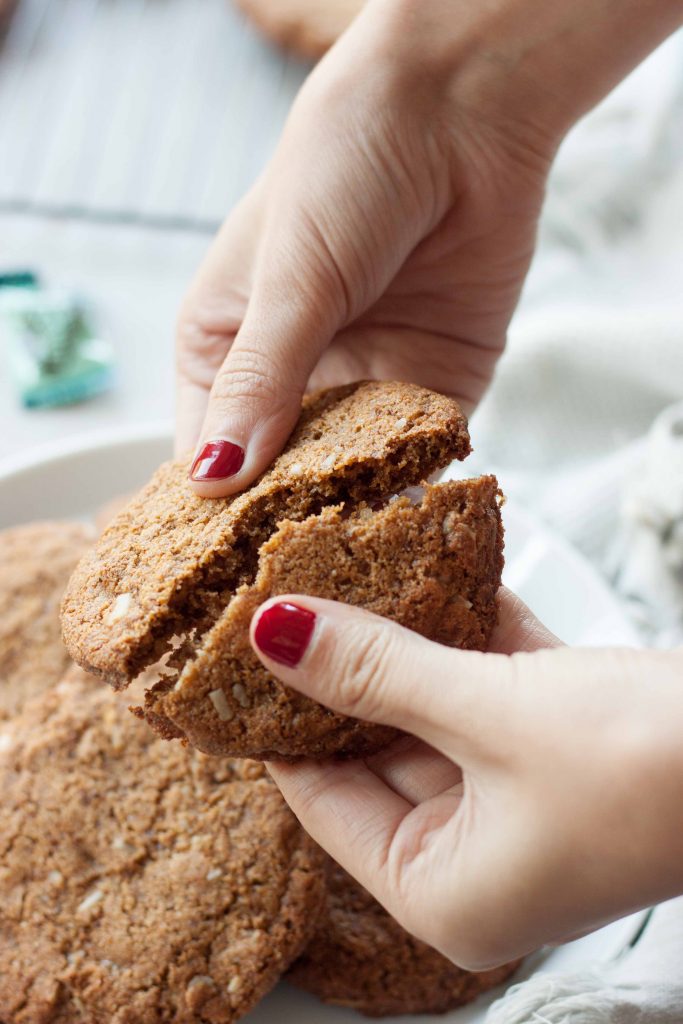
pixel 143 880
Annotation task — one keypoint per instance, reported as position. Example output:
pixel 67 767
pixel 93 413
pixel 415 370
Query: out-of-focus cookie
pixel 361 958
pixel 6 12
pixel 432 563
pixel 141 882
pixel 35 564
pixel 308 27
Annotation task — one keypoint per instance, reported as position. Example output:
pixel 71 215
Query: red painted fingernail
pixel 217 460
pixel 283 632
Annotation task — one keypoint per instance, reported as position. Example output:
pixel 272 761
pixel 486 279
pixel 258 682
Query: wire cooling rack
pixel 160 112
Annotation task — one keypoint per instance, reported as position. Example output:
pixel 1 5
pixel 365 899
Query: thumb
pixel 371 668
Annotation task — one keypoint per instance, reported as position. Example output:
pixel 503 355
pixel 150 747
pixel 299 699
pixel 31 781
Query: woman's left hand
pixel 539 794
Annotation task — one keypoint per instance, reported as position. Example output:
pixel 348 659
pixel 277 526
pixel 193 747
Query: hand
pixel 388 238
pixel 541 795
pixel 391 232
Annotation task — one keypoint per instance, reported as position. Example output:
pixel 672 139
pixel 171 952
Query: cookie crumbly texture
pixel 361 958
pixel 140 882
pixel 309 27
pixel 434 566
pixel 36 561
pixel 170 561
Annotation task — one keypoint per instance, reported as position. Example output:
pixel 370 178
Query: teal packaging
pixel 55 357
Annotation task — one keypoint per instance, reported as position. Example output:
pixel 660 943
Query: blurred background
pixel 128 129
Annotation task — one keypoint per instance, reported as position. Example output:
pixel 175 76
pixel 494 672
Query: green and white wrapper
pixel 55 357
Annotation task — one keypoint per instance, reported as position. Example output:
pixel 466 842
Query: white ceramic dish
pixel 74 479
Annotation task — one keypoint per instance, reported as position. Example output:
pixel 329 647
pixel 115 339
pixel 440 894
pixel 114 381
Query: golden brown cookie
pixel 361 958
pixel 170 563
pixel 35 564
pixel 434 566
pixel 309 27
pixel 141 882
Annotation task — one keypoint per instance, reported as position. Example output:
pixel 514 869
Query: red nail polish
pixel 217 460
pixel 283 632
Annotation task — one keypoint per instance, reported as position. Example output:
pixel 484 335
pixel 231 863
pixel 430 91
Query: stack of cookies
pixel 143 880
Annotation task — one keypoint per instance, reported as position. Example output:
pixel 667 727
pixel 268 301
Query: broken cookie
pixel 433 566
pixel 325 519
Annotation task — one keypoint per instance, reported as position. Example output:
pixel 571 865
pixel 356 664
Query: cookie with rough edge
pixel 309 27
pixel 432 562
pixel 141 882
pixel 170 562
pixel 361 958
pixel 36 561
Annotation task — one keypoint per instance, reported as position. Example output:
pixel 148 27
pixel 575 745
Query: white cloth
pixel 647 559
pixel 595 352
pixel 644 986
pixel 584 424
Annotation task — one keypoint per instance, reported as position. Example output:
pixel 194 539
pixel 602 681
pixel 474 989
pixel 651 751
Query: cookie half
pixel 309 27
pixel 361 958
pixel 141 882
pixel 35 564
pixel 431 562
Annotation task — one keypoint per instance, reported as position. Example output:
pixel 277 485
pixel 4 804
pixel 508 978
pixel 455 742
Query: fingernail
pixel 217 460
pixel 283 632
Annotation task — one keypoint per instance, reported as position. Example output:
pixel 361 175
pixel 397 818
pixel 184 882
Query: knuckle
pixel 255 372
pixel 201 347
pixel 365 671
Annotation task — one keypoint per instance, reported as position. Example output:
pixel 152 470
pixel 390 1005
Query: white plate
pixel 68 480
